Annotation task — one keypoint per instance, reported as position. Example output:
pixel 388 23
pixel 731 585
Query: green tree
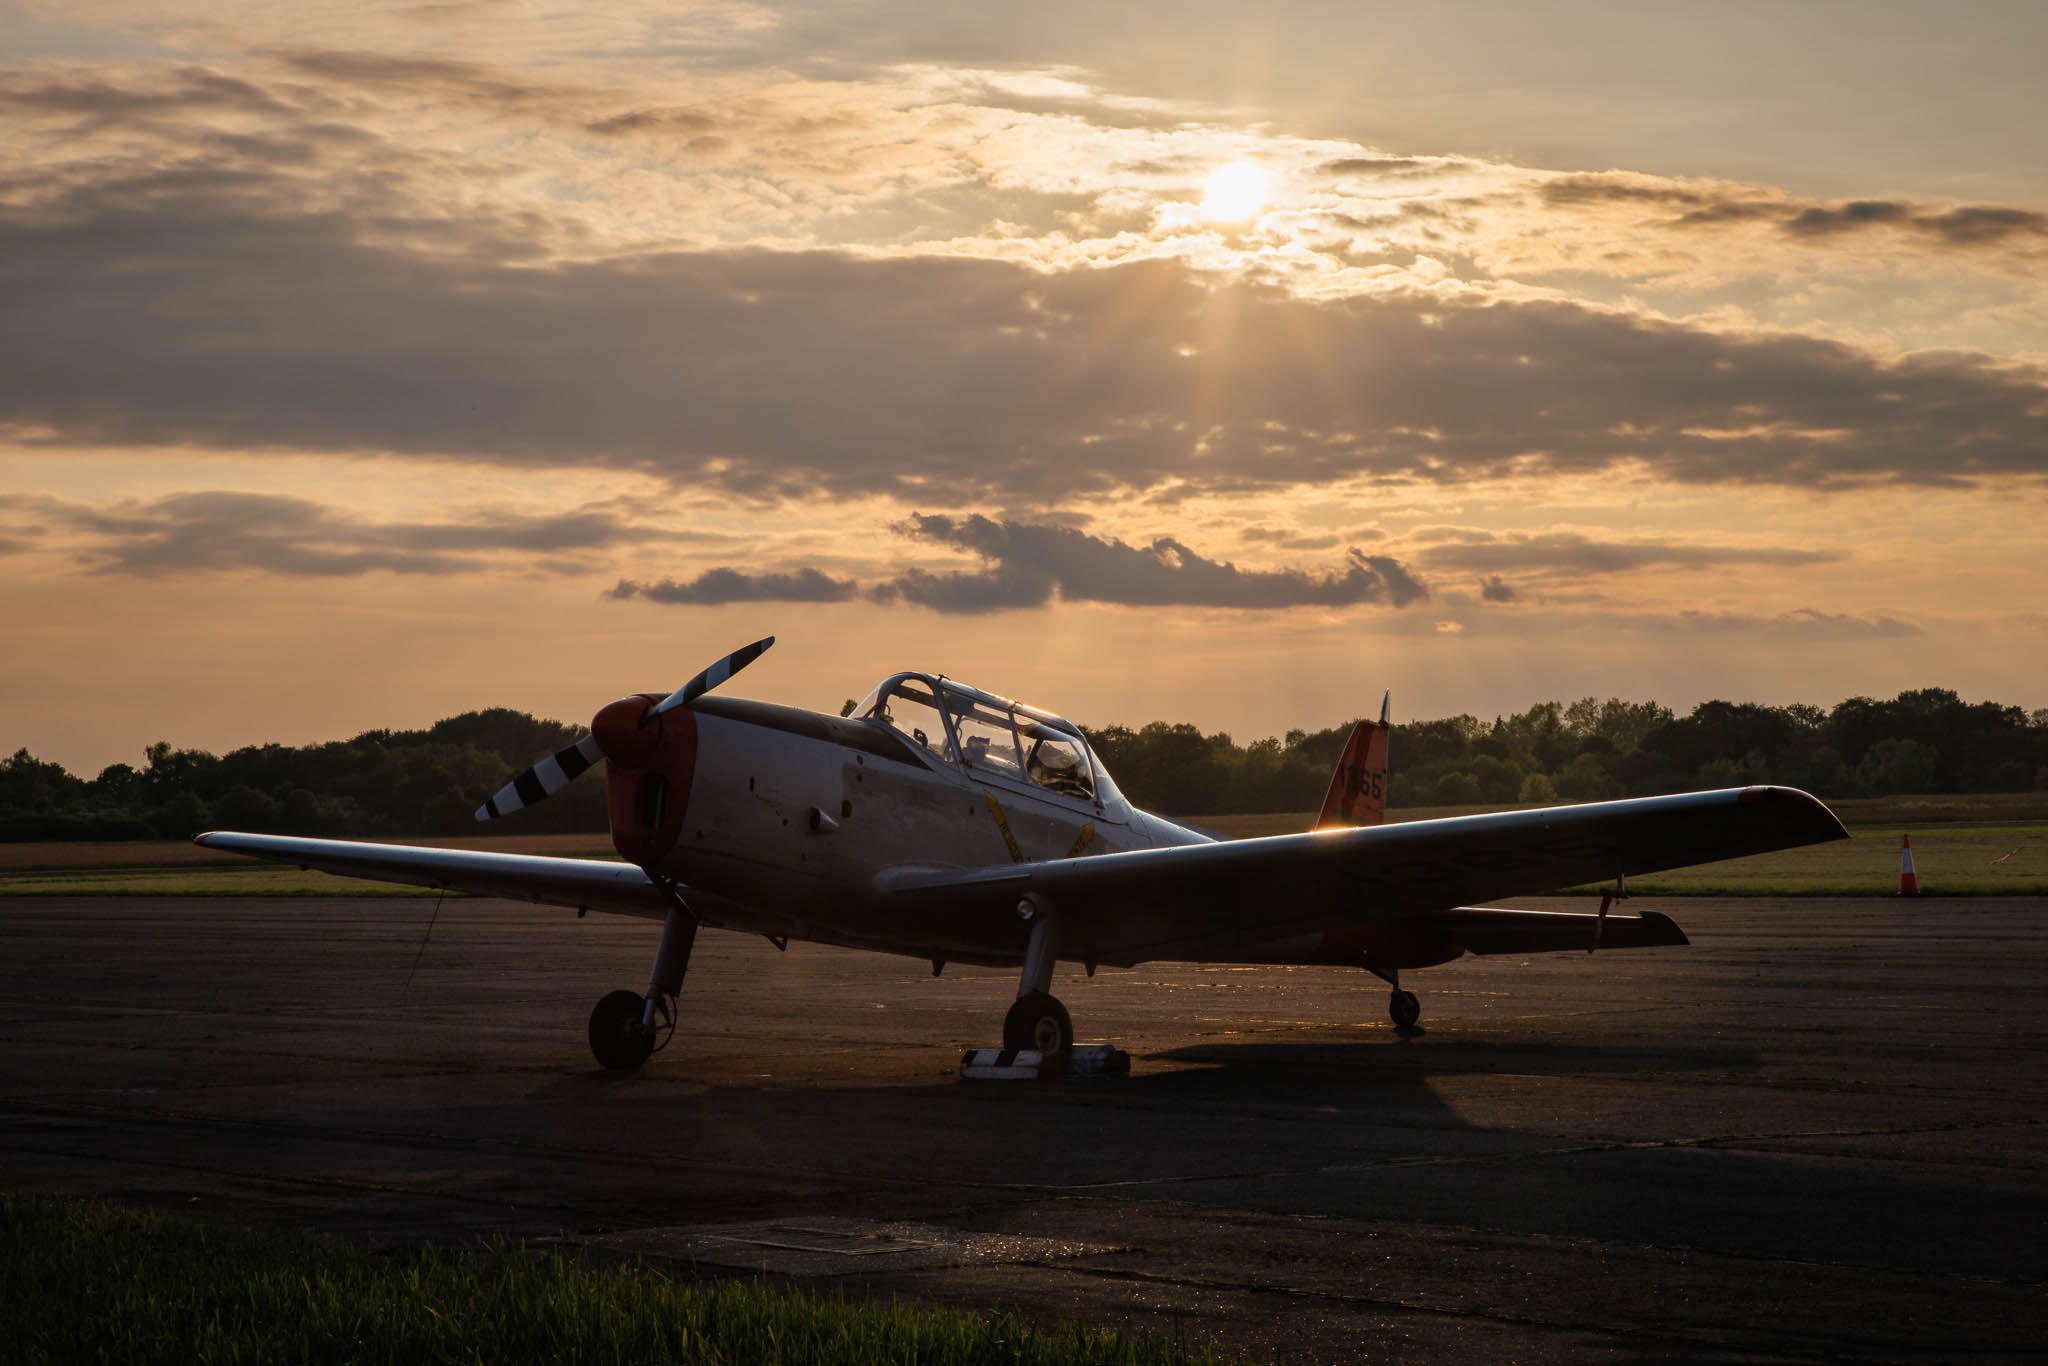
pixel 29 784
pixel 1586 779
pixel 1499 781
pixel 183 816
pixel 243 807
pixel 173 770
pixel 118 785
pixel 1895 766
pixel 300 814
pixel 1456 789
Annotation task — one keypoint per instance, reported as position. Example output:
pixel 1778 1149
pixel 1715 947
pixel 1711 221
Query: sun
pixel 1235 192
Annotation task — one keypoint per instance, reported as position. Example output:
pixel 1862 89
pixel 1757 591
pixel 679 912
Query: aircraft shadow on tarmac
pixel 1386 1080
pixel 1535 1058
pixel 1346 1076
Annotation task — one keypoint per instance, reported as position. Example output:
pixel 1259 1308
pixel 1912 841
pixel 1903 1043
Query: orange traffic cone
pixel 1909 885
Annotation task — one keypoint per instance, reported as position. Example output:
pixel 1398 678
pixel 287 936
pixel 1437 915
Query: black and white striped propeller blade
pixel 544 779
pixel 710 678
pixel 558 770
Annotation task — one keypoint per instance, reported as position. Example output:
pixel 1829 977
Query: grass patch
pixel 91 1282
pixel 1948 862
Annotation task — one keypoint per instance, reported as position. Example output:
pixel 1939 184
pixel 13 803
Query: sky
pixel 367 363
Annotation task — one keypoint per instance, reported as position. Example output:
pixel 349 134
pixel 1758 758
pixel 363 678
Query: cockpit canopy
pixel 990 736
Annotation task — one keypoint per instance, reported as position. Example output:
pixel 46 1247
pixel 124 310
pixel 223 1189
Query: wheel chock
pixel 1027 1064
pixel 1005 1064
pixel 1097 1060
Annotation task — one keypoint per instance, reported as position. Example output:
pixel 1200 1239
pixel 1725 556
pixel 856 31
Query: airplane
pixel 942 822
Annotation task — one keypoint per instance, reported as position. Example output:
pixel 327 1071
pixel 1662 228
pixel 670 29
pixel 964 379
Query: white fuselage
pixel 784 832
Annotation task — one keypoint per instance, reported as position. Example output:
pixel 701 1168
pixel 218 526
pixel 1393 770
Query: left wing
pixel 1212 901
pixel 595 884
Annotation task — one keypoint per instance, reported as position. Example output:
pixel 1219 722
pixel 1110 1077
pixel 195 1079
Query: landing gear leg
pixel 1038 1020
pixel 1402 1007
pixel 626 1026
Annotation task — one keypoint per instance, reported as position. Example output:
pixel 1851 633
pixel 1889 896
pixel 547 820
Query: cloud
pixel 1029 562
pixel 312 285
pixel 468 80
pixel 1497 589
pixel 1570 552
pixel 786 373
pixel 715 586
pixel 1968 226
pixel 1698 204
pixel 1378 165
pixel 1028 565
pixel 1681 634
pixel 218 531
pixel 1804 624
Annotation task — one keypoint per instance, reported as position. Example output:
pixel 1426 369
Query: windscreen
pixel 987 737
pixel 908 705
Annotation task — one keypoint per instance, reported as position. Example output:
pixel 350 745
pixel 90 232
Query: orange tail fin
pixel 1358 789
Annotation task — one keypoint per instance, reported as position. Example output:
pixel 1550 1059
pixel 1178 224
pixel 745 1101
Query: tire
pixel 1038 1021
pixel 615 1034
pixel 1404 1009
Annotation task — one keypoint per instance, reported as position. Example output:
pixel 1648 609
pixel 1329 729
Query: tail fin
pixel 1358 789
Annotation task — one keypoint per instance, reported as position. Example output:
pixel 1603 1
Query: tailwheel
pixel 1038 1021
pixel 616 1035
pixel 1404 1009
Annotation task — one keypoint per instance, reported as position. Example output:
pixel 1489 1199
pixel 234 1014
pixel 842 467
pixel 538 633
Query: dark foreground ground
pixel 1817 1134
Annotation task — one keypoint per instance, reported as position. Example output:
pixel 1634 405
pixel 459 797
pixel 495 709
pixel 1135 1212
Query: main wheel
pixel 1404 1009
pixel 615 1034
pixel 1038 1021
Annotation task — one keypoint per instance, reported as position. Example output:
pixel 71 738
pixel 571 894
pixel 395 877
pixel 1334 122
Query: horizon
pixel 1239 739
pixel 1235 369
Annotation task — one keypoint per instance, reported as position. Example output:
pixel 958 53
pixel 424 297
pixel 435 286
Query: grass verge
pixel 92 1282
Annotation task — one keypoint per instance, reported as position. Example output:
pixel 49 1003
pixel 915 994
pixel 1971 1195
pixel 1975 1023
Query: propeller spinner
pixel 563 767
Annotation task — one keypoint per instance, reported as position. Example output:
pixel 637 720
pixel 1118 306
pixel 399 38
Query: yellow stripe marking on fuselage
pixel 1003 824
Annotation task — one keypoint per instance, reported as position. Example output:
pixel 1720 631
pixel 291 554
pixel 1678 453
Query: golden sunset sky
pixel 364 363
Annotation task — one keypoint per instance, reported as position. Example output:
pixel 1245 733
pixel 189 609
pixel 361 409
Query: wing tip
pixel 1802 802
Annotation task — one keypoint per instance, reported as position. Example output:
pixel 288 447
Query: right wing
pixel 592 884
pixel 1212 902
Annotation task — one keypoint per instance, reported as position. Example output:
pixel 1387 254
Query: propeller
pixel 564 766
pixel 710 678
pixel 543 780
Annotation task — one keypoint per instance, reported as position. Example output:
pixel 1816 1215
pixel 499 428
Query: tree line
pixel 387 783
pixel 381 783
pixel 1928 740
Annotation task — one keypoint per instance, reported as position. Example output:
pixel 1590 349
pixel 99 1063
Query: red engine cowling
pixel 647 774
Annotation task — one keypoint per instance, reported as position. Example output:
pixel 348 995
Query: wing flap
pixel 1487 930
pixel 596 884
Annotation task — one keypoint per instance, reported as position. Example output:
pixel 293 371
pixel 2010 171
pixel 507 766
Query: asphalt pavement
pixel 1817 1133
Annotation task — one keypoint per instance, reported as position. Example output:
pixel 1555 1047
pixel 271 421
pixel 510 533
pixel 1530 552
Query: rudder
pixel 1358 789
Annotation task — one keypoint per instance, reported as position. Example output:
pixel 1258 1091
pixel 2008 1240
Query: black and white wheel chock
pixel 1028 1064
